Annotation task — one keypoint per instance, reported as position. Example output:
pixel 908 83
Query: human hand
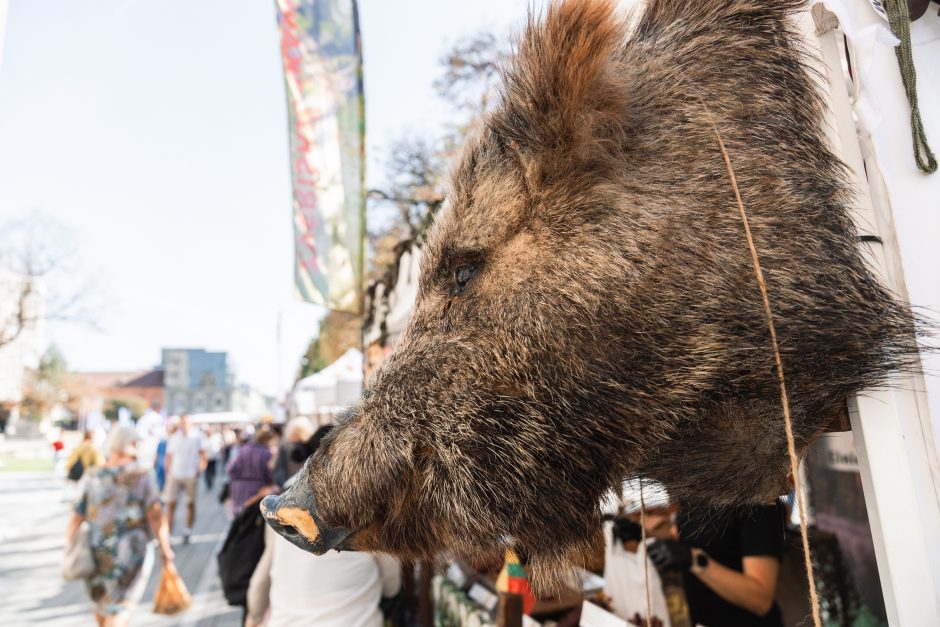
pixel 166 553
pixel 641 621
pixel 670 555
pixel 626 530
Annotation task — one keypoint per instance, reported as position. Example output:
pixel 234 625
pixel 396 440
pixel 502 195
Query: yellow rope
pixel 788 423
pixel 646 560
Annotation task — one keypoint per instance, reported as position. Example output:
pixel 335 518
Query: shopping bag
pixel 78 561
pixel 625 581
pixel 171 596
pixel 241 553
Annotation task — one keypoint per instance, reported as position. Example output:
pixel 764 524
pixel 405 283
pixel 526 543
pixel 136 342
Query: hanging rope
pixel 788 423
pixel 646 561
pixel 900 21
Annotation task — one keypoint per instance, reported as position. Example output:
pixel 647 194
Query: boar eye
pixel 462 276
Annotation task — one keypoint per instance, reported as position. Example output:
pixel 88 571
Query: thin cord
pixel 900 21
pixel 788 423
pixel 646 560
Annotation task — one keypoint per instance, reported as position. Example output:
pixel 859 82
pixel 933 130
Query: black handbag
pixel 241 553
pixel 77 470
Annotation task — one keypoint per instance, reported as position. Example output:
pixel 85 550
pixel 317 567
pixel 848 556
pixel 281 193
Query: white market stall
pixel 324 394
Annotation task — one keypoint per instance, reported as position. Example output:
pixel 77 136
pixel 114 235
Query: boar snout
pixel 293 515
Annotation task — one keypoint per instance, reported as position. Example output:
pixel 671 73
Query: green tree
pixel 136 405
pixel 339 331
pixel 47 385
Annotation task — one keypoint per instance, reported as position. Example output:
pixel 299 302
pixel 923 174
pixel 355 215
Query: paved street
pixel 34 509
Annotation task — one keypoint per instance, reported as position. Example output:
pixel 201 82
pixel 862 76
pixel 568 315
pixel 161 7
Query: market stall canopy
pixel 336 386
pixel 392 303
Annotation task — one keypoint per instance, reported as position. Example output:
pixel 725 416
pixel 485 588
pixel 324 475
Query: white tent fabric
pixel 400 301
pixel 883 115
pixel 336 386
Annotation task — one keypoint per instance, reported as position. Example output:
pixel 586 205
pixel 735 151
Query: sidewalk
pixel 33 516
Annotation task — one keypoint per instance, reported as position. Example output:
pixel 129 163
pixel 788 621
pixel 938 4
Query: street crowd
pixel 130 481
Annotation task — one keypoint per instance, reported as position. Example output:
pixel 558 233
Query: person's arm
pixel 203 459
pixel 72 528
pixel 389 573
pixel 234 467
pixel 161 530
pixel 268 469
pixel 79 511
pixel 752 589
pixel 259 588
pixel 168 456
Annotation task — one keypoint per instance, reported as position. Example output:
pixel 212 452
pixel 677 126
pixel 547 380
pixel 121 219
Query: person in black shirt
pixel 730 560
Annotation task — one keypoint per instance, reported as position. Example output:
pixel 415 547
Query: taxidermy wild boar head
pixel 587 309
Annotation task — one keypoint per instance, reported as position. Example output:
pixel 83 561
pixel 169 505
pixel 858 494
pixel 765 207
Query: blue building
pixel 196 381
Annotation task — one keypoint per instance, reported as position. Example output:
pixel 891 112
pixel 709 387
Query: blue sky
pixel 156 131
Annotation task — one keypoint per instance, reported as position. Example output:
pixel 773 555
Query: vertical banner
pixel 322 55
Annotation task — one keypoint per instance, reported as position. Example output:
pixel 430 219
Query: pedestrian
pixel 292 452
pixel 185 459
pixel 159 462
pixel 82 458
pixel 730 561
pixel 58 446
pixel 214 445
pixel 229 437
pixel 250 472
pixel 119 500
pixel 150 430
pixel 337 589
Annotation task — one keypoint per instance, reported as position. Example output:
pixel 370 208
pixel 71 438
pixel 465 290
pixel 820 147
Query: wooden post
pixel 425 600
pixel 408 585
pixel 509 610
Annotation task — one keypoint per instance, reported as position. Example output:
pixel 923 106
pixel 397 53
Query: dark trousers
pixel 210 473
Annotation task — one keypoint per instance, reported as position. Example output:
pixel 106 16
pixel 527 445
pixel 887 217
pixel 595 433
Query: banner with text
pixel 322 56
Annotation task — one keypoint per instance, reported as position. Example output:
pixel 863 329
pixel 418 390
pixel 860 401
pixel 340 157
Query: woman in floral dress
pixel 122 506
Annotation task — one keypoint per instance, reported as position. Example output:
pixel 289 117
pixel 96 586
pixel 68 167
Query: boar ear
pixel 559 90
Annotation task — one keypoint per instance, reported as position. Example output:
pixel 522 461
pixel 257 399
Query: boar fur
pixel 588 309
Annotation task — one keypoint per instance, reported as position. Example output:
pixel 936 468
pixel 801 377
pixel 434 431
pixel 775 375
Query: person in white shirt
pixel 185 459
pixel 214 445
pixel 337 589
pixel 150 430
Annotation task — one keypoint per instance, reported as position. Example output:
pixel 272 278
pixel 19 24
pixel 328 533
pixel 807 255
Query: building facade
pixel 196 381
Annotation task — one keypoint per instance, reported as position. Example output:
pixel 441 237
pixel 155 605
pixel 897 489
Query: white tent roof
pixel 337 385
pixel 347 367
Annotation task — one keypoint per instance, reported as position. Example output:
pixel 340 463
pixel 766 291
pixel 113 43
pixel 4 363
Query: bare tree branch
pixel 416 167
pixel 471 70
pixel 21 317
pixel 40 253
